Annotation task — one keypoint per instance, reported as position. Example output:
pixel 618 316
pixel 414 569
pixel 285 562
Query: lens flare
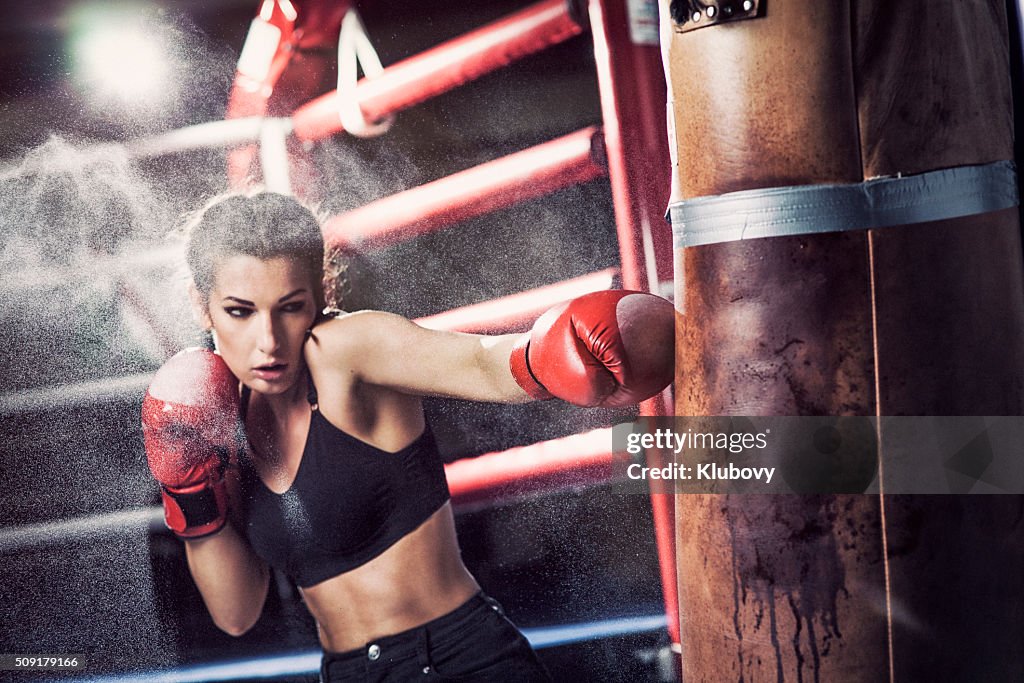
pixel 122 54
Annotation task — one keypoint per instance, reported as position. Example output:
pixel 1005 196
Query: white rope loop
pixel 355 50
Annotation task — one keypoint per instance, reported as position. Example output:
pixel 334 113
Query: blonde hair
pixel 261 224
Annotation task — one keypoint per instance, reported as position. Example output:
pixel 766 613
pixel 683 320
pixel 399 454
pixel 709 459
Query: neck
pixel 283 404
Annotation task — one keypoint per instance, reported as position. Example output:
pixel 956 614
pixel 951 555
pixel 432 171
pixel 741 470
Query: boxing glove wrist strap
pixel 519 363
pixel 195 511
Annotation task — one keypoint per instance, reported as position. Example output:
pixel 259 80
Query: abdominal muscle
pixel 419 578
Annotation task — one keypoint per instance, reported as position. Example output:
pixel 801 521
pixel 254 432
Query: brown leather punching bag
pixel 801 297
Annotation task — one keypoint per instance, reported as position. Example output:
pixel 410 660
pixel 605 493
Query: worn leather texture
pixel 925 319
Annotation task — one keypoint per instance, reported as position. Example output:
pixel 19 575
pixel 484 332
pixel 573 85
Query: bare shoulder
pixel 349 340
pixel 340 353
pixel 353 330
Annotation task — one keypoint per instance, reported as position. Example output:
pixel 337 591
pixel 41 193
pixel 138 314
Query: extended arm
pixel 608 348
pixel 389 350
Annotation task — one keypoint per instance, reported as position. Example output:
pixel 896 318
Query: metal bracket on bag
pixel 690 15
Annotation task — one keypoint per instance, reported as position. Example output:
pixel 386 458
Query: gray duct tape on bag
pixel 876 203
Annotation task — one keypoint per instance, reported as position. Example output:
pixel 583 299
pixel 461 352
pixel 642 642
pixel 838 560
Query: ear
pixel 200 307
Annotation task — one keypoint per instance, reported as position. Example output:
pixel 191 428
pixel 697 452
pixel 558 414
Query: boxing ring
pixel 888 308
pixel 628 148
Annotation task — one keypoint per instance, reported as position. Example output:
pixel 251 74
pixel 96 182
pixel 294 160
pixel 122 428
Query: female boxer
pixel 341 485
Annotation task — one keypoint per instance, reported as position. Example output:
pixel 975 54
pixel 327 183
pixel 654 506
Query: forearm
pixel 500 385
pixel 231 578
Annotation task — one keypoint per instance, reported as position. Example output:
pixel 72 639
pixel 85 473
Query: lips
pixel 270 372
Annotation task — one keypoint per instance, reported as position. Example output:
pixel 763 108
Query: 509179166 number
pixel 41 662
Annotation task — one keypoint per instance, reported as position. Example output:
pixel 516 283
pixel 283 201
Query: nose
pixel 269 335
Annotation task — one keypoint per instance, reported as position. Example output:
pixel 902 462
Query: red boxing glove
pixel 190 425
pixel 611 348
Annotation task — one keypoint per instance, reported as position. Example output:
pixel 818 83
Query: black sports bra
pixel 349 502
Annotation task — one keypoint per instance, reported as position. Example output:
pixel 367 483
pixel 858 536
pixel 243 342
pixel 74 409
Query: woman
pixel 341 485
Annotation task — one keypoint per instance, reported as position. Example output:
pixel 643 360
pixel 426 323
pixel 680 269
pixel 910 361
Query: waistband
pixel 407 643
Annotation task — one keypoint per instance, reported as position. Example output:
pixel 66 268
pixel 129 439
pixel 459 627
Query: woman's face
pixel 260 311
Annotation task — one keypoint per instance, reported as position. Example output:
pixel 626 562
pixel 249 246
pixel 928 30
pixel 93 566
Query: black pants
pixel 474 642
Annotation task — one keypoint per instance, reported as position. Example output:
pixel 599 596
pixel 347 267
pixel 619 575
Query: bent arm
pixel 231 578
pixel 389 350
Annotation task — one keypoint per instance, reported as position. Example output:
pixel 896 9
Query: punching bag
pixel 847 243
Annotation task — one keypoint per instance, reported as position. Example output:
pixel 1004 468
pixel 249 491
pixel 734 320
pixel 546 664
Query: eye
pixel 294 306
pixel 238 311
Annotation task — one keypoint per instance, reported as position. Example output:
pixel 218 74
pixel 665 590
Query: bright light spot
pixel 123 61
